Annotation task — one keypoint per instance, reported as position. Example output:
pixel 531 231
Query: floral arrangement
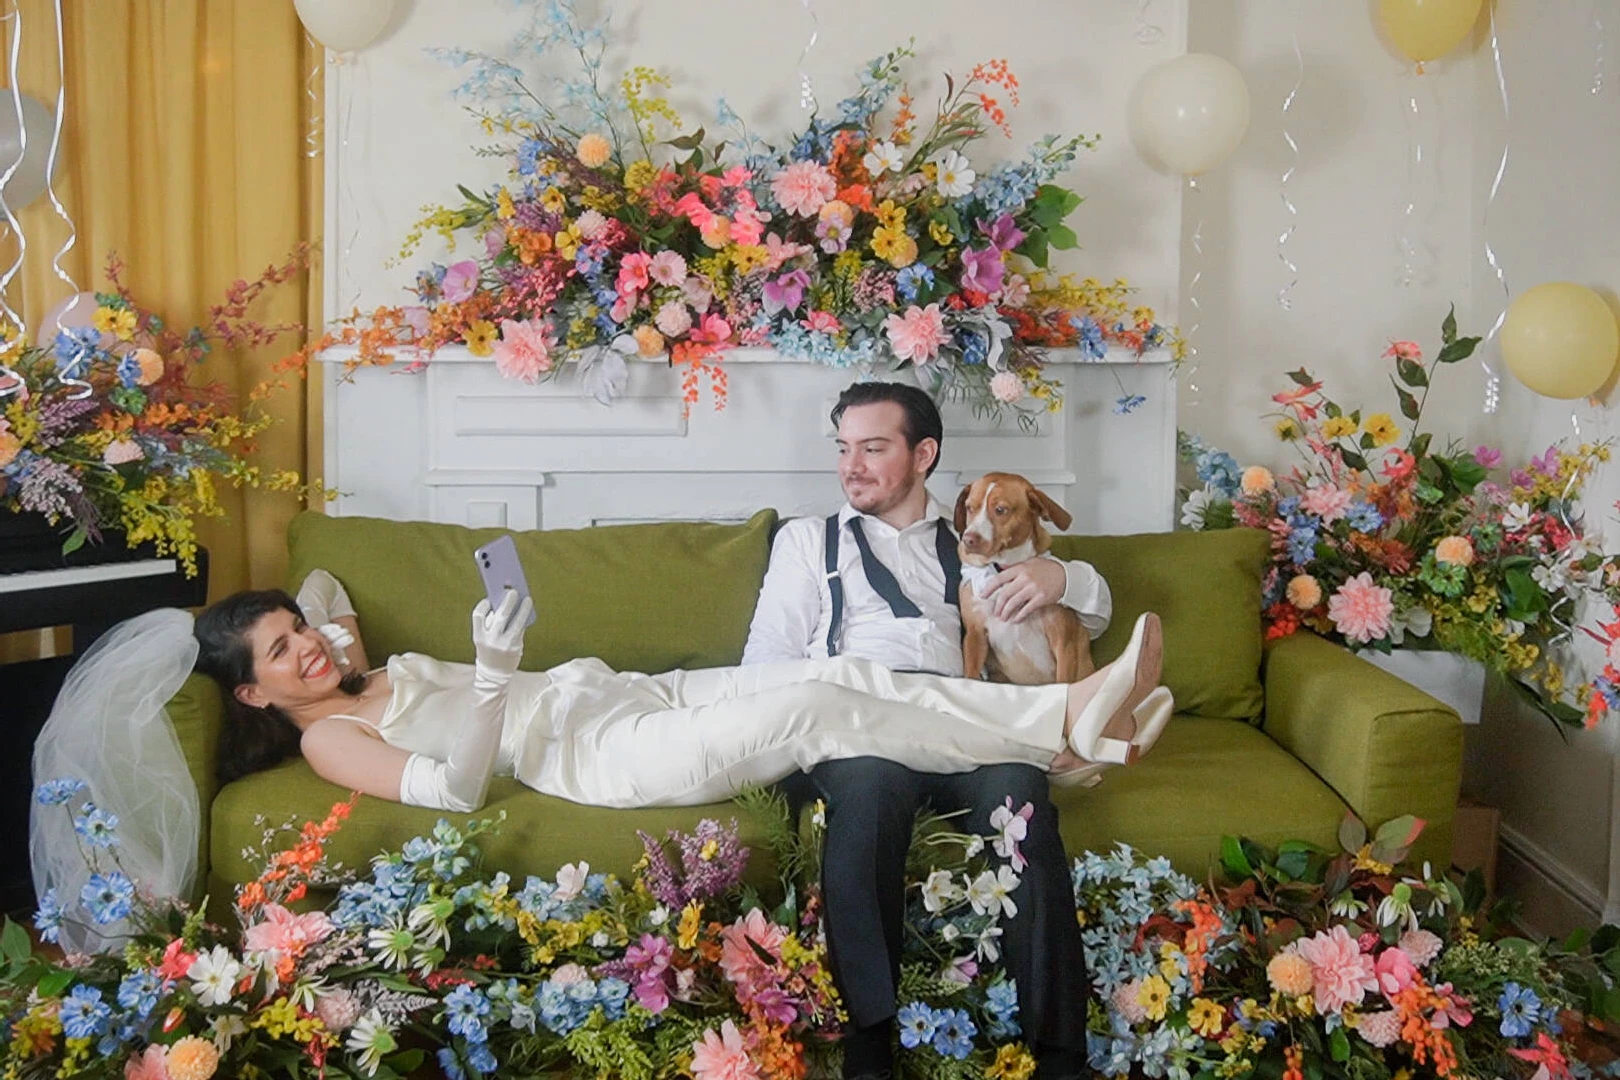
pixel 1307 963
pixel 867 237
pixel 110 425
pixel 1303 963
pixel 1382 539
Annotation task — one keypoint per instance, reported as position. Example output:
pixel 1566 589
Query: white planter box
pixel 1455 680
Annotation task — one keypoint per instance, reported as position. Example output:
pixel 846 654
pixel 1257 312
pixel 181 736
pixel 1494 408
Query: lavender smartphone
pixel 498 565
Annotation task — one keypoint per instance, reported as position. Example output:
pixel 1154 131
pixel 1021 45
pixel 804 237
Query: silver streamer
pixel 1283 299
pixel 1190 359
pixel 1493 381
pixel 807 92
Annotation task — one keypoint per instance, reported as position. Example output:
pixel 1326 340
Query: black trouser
pixel 871 805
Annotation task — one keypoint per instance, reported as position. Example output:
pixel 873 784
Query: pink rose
pixel 1327 502
pixel 523 351
pixel 1395 971
pixel 673 319
pixel 1361 609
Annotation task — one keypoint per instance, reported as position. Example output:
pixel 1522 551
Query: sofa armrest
pixel 197 712
pixel 1386 747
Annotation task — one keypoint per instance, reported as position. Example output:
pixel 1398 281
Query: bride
pixel 431 733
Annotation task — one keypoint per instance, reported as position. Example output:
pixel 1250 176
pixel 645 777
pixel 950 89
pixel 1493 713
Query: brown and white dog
pixel 998 518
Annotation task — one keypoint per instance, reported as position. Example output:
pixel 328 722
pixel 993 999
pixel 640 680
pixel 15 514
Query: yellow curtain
pixel 184 151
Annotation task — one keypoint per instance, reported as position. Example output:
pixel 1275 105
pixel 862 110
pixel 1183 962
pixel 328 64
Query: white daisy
pixel 371 1038
pixel 393 946
pixel 213 976
pixel 954 179
pixel 883 157
pixel 939 891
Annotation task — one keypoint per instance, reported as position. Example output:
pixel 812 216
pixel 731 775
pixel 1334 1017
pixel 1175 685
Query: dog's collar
pixel 979 576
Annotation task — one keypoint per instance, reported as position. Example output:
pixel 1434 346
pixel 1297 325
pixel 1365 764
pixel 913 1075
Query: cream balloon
pixel 1188 114
pixel 1426 29
pixel 344 25
pixel 1561 340
pixel 28 182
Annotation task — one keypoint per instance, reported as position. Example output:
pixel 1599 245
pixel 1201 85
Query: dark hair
pixel 252 739
pixel 921 414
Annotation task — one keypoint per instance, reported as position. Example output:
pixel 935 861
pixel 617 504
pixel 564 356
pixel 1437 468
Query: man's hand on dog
pixel 1026 587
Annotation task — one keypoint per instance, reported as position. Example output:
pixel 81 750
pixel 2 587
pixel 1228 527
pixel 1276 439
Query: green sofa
pixel 1273 741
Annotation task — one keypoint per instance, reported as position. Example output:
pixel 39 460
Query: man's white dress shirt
pixel 795 602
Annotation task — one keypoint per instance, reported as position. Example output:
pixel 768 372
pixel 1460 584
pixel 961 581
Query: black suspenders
pixel 881 579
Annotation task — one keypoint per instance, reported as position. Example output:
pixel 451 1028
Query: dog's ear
pixel 961 509
pixel 1050 510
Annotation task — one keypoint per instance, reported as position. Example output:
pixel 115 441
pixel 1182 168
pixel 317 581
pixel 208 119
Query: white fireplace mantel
pixel 457 442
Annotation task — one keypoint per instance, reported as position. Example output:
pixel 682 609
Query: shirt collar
pixel 934 511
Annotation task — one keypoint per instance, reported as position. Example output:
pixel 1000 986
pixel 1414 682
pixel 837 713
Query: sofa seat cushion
pixel 1206 588
pixel 1206 778
pixel 539 835
pixel 640 597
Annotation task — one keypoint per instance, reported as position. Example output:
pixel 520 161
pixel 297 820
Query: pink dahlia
pixel 1341 974
pixel 803 187
pixel 1421 945
pixel 739 959
pixel 722 1056
pixel 1360 610
pixel 286 932
pixel 1381 1028
pixel 147 1065
pixel 523 351
pixel 918 334
pixel 673 319
pixel 1327 502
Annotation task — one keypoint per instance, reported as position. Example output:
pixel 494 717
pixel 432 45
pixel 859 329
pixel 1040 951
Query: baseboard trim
pixel 1553 870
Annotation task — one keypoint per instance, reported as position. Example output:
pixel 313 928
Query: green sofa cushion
pixel 641 597
pixel 1206 588
pixel 1206 778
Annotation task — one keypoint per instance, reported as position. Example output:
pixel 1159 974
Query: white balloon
pixel 28 182
pixel 344 25
pixel 1188 114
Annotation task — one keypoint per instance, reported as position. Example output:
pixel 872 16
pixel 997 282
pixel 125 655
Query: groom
pixel 878 581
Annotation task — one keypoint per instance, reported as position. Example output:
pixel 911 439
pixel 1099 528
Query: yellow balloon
pixel 1560 339
pixel 1426 29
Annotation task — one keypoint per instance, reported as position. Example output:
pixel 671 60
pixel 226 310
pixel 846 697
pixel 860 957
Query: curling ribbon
pixel 1283 299
pixel 807 92
pixel 1190 360
pixel 1493 381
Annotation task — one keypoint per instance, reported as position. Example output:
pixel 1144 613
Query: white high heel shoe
pixel 1096 733
pixel 1151 718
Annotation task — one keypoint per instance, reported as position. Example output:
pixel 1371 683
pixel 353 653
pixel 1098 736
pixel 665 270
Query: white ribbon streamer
pixel 1190 359
pixel 1597 48
pixel 1416 258
pixel 1147 32
pixel 1493 381
pixel 1284 301
pixel 68 376
pixel 312 136
pixel 807 92
pixel 5 178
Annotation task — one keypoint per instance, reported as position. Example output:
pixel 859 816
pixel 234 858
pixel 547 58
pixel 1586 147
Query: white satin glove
pixel 340 639
pixel 498 636
pixel 323 600
pixel 461 784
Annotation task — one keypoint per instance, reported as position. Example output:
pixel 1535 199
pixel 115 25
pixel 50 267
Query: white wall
pixel 1349 188
pixel 1076 60
pixel 1556 217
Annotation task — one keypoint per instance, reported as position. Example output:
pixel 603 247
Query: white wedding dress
pixel 584 732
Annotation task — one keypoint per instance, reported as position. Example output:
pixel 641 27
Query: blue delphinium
pixel 1302 544
pixel 953 1038
pixel 58 791
pixel 1128 404
pixel 464 1010
pixel 1219 471
pixel 83 1014
pixel 48 919
pixel 109 897
pixel 1364 517
pixel 1520 1009
pixel 917 1025
pixel 139 992
pixel 97 826
pixel 1001 1002
pixel 912 278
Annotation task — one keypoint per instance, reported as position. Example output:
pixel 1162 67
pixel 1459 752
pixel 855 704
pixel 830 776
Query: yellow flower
pixel 480 337
pixel 1206 1017
pixel 1013 1062
pixel 1257 480
pixel 503 205
pixel 748 257
pixel 940 233
pixel 120 322
pixel 1454 551
pixel 594 150
pixel 9 446
pixel 1304 592
pixel 1170 961
pixel 1336 427
pixel 567 241
pixel 691 922
pixel 709 850
pixel 1286 429
pixel 639 175
pixel 1381 428
pixel 1365 861
pixel 894 246
pixel 552 199
pixel 889 215
pixel 1154 997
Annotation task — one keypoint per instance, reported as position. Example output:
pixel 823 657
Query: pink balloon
pixel 76 310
